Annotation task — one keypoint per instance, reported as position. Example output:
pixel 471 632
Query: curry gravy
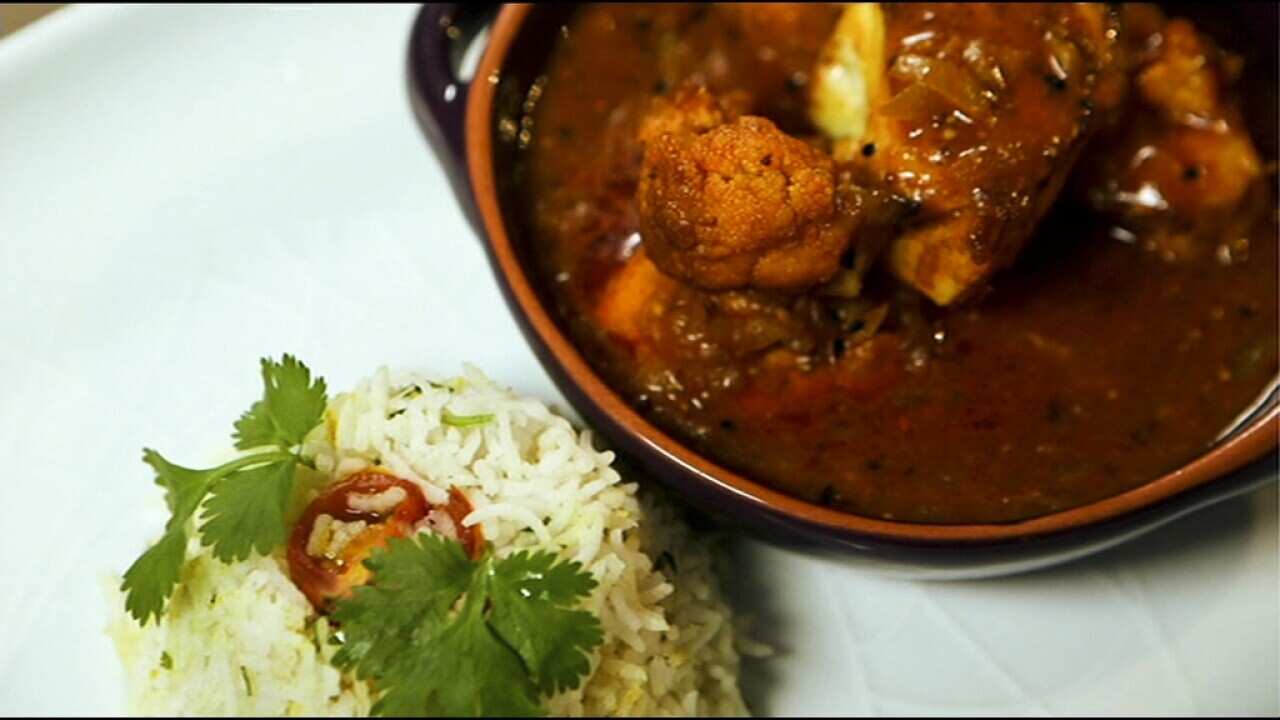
pixel 1091 366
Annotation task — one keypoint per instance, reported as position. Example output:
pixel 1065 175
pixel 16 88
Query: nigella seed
pixel 847 259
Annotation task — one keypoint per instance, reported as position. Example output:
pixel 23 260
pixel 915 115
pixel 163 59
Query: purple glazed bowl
pixel 460 119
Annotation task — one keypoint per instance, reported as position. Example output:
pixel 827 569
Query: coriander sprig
pixel 245 500
pixel 440 633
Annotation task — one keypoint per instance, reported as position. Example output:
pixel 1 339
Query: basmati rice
pixel 241 639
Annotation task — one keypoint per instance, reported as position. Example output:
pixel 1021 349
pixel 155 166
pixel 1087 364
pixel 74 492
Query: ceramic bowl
pixel 460 118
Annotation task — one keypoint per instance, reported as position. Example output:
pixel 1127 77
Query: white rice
pixel 237 639
pixel 535 482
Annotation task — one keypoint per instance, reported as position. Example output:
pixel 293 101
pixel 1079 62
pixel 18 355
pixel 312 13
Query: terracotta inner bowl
pixel 511 60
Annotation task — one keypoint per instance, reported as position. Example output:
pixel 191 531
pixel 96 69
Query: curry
pixel 931 263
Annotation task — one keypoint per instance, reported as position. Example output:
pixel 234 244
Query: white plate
pixel 184 190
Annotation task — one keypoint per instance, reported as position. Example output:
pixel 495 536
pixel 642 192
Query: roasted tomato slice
pixel 342 527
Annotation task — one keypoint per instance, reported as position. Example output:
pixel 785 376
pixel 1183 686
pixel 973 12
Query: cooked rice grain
pixel 535 482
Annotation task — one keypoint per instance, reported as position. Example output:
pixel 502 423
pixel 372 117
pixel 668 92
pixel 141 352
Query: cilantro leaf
pixel 527 591
pixel 248 497
pixel 541 576
pixel 465 671
pixel 183 487
pixel 415 585
pixel 291 405
pixel 150 579
pixel 515 637
pixel 246 510
pixel 255 428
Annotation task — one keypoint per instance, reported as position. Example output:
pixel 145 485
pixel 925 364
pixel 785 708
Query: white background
pixel 184 190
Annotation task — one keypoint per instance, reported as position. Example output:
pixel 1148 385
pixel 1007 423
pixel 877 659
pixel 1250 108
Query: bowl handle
pixel 440 38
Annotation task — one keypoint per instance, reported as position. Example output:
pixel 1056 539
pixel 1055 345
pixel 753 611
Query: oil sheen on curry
pixel 933 263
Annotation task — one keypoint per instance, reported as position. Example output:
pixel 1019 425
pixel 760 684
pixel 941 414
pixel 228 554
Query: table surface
pixel 248 181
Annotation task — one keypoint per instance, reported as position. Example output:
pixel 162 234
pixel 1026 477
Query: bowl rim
pixel 1250 442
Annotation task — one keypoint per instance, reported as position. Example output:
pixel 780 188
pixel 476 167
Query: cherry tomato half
pixel 333 571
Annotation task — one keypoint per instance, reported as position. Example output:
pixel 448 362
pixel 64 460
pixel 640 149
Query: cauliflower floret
pixel 741 204
pixel 691 109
